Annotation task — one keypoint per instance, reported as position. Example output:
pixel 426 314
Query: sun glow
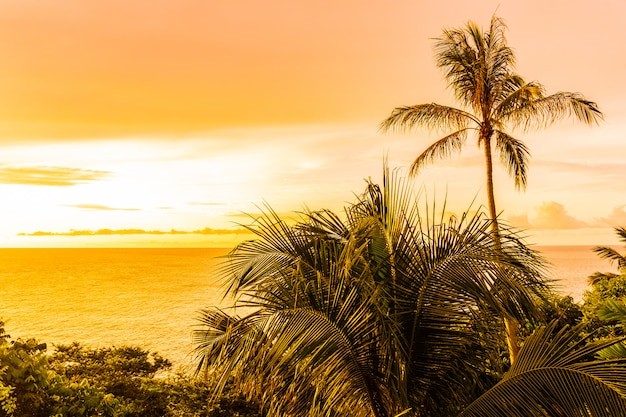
pixel 131 115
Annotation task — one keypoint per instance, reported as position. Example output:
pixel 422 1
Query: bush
pixel 25 377
pixel 78 381
pixel 610 288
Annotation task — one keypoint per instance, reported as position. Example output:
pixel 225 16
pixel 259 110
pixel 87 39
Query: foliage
pixel 602 291
pixel 556 374
pixel 130 381
pixel 69 398
pixel 479 67
pixel 607 290
pixel 7 399
pixel 25 371
pixel 386 311
pixel 118 370
pixel 557 308
pixel 77 381
pixel 612 256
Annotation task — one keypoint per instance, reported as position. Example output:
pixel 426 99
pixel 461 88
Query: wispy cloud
pixel 49 175
pixel 205 231
pixel 247 218
pixel 520 221
pixel 99 207
pixel 205 204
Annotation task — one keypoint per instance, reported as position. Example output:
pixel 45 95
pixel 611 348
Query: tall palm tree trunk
pixel 509 324
pixel 495 231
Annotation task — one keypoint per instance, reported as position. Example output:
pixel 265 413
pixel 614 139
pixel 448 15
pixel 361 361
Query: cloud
pixel 616 218
pixel 98 207
pixel 520 221
pixel 207 204
pixel 49 176
pixel 552 215
pixel 205 231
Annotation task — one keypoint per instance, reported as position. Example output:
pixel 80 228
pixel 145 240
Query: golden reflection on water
pixel 106 297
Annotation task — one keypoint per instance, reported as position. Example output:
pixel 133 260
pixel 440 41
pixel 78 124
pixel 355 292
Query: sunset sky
pixel 183 115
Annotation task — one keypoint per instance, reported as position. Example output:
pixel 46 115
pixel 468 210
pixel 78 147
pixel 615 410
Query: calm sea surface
pixel 150 297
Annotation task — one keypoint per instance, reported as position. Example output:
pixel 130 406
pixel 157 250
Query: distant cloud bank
pixel 205 231
pixel 49 175
pixel 99 207
pixel 552 216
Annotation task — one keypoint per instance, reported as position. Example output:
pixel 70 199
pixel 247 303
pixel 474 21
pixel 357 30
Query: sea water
pixel 108 297
pixel 151 297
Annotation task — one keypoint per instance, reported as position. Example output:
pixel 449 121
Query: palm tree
pixel 384 311
pixel 613 256
pixel 479 68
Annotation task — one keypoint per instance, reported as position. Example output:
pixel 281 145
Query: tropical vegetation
pixel 389 310
pixel 479 67
pixel 604 302
pixel 78 381
pixel 612 256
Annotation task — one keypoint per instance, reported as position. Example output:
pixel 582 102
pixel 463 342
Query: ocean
pixel 150 297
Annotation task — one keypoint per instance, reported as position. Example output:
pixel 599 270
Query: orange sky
pixel 161 115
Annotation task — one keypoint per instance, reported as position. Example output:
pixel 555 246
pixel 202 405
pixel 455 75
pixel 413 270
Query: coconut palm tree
pixel 479 67
pixel 384 311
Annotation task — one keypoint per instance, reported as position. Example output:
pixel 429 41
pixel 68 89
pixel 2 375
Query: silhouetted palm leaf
pixel 370 315
pixel 612 256
pixel 556 375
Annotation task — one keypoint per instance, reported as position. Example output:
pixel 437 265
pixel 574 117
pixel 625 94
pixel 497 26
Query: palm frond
pixel 432 116
pixel 441 149
pixel 611 255
pixel 547 110
pixel 452 273
pixel 556 375
pixel 513 95
pixel 613 310
pixel 501 58
pixel 456 56
pixel 514 155
pixel 621 233
pixel 596 277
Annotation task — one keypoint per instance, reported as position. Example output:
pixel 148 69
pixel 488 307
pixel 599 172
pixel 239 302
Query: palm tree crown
pixel 479 68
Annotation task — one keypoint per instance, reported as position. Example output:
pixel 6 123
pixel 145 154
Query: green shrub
pixel 77 381
pixel 25 375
